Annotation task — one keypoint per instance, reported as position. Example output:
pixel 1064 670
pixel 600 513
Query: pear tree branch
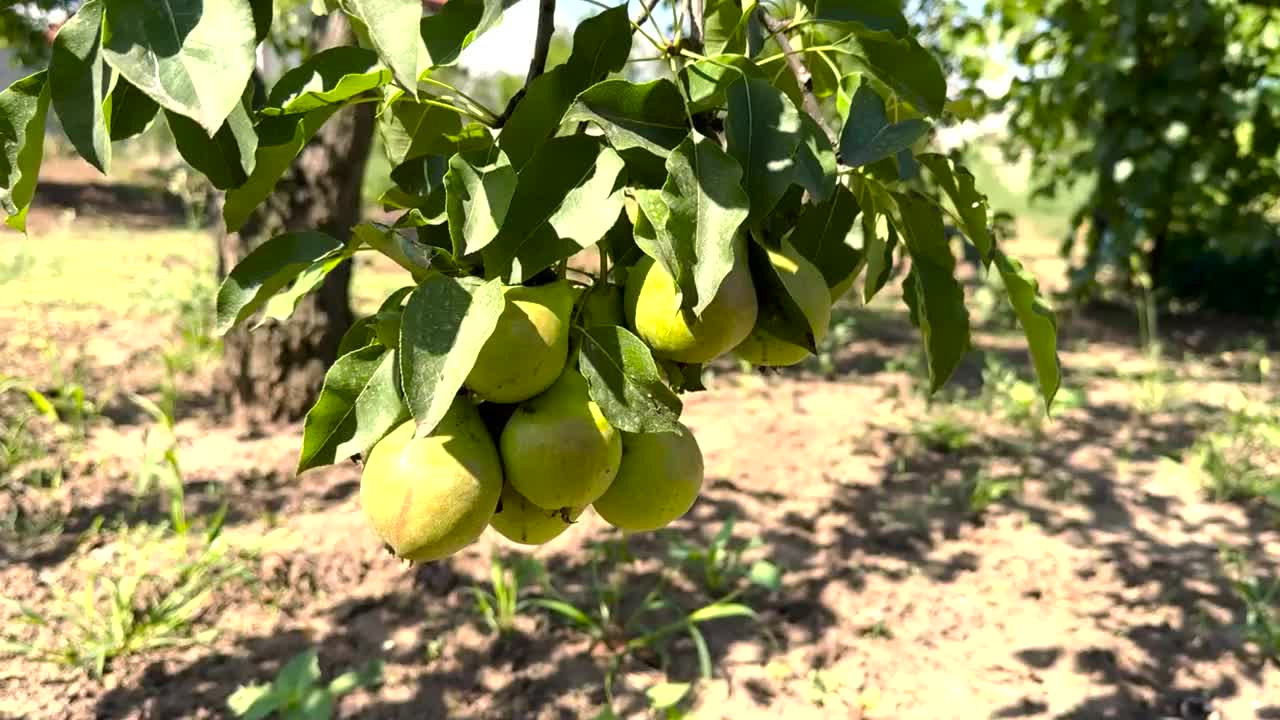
pixel 804 78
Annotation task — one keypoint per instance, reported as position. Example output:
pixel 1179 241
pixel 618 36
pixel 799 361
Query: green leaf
pixel 909 69
pixel 24 106
pixel 708 79
pixel 411 129
pixel 649 116
pixel 780 313
pixel 193 57
pixel 282 305
pixel 361 334
pixel 565 610
pixel 695 218
pixel 254 702
pixel 267 270
pixel 867 15
pixel 624 381
pixel 822 236
pixel 368 676
pixel 970 205
pixel 453 27
pixel 299 674
pixel 228 157
pixel 868 135
pixel 724 25
pixel 263 14
pixel 478 189
pixel 666 694
pixel 1037 320
pixel 393 28
pixel 330 77
pixel 939 298
pixel 601 45
pixel 446 323
pixel 280 139
pixel 78 84
pixel 720 610
pixel 765 574
pixel 130 111
pixel 816 165
pixel 566 199
pixel 762 130
pixel 358 405
pixel 409 254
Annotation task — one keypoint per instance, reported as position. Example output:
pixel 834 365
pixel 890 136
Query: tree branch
pixel 538 64
pixel 804 78
pixel 695 10
pixel 646 9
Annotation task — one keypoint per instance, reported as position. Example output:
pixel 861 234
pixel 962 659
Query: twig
pixel 646 9
pixel 804 78
pixel 696 9
pixel 537 65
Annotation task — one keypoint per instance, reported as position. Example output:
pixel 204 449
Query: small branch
pixel 646 9
pixel 695 12
pixel 537 65
pixel 804 78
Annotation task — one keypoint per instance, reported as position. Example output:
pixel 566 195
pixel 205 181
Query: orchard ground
pixel 954 558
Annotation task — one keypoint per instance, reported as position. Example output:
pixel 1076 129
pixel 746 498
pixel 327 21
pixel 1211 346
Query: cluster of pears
pixel 555 452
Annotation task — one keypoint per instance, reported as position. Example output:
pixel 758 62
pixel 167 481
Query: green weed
pixel 148 594
pixel 1240 461
pixel 719 565
pixel 1261 598
pixel 296 693
pixel 945 432
pixel 160 468
pixel 500 603
pixel 986 490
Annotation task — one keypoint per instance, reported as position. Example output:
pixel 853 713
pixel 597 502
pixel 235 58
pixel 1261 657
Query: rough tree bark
pixel 275 372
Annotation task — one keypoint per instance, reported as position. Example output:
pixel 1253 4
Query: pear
pixel 653 310
pixel 429 497
pixel 523 522
pixel 529 346
pixel 659 480
pixel 805 284
pixel 558 450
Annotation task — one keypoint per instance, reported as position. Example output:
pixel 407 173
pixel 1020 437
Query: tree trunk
pixel 275 372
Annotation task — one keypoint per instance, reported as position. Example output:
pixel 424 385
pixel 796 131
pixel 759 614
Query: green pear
pixel 653 310
pixel 659 480
pixel 523 522
pixel 805 284
pixel 529 346
pixel 429 497
pixel 558 450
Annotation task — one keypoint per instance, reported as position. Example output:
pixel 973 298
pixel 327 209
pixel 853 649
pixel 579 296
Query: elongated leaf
pixel 939 298
pixel 413 256
pixel 130 111
pixel 720 611
pixel 393 27
pixel 868 135
pixel 446 323
pixel 24 106
pixel 709 79
pixel 254 702
pixel 970 205
pixel 624 381
pixel 566 199
pixel 410 130
pixel 279 142
pixel 695 218
pixel 1037 320
pixel 666 694
pixel 724 26
pixel 478 189
pixel 816 165
pixel 565 610
pixel 762 129
pixel 193 57
pixel 601 45
pixel 822 236
pixel 866 15
pixel 227 157
pixel 358 405
pixel 282 305
pixel 330 77
pixel 649 116
pixel 453 27
pixel 78 84
pixel 267 270
pixel 908 68
pixel 263 14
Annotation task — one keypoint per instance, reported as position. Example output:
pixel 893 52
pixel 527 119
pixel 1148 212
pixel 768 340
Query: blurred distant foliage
pixel 1168 111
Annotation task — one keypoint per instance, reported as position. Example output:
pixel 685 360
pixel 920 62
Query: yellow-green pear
pixel 557 449
pixel 804 282
pixel 523 522
pixel 603 306
pixel 659 481
pixel 653 311
pixel 529 347
pixel 429 497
